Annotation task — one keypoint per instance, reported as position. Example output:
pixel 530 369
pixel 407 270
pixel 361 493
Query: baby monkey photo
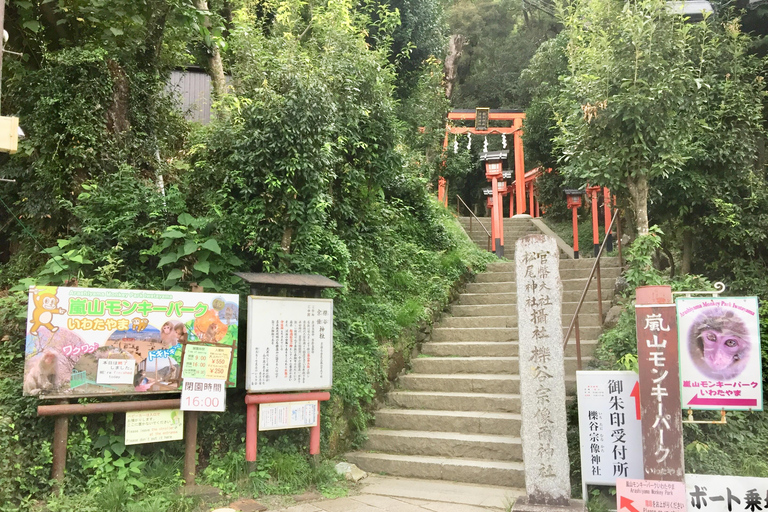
pixel 719 343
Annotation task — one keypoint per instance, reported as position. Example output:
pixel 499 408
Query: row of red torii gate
pixel 510 122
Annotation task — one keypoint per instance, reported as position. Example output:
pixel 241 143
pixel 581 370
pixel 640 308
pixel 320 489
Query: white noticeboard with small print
pixel 609 427
pixel 290 344
pixel 288 415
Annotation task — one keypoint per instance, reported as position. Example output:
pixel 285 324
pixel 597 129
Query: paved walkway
pixel 392 494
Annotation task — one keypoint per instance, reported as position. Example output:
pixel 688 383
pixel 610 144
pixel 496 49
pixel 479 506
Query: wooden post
pixel 607 215
pixel 59 448
pixel 660 405
pixel 190 446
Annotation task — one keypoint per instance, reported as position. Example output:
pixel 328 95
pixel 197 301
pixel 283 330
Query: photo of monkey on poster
pixel 92 342
pixel 720 365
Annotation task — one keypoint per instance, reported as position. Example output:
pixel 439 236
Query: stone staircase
pixel 456 415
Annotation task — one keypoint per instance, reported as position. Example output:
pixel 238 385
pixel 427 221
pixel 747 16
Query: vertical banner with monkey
pixel 93 342
pixel 720 358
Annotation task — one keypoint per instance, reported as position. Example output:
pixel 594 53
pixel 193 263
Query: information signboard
pixel 290 344
pixel 720 365
pixel 282 415
pixel 92 342
pixel 609 426
pixel 154 426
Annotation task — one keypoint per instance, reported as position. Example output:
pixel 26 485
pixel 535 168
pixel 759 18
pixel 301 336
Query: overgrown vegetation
pixel 312 164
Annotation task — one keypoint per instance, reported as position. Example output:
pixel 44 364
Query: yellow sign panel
pixel 154 426
pixel 9 134
pixel 204 362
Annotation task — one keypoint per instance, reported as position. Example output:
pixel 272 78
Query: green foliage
pixel 500 43
pixel 640 269
pixel 25 441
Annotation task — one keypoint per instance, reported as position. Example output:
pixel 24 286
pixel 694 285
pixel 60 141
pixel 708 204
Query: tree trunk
pixel 455 47
pixel 638 191
pixel 685 264
pixel 215 65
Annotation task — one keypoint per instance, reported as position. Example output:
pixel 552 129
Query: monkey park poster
pixel 720 366
pixel 91 342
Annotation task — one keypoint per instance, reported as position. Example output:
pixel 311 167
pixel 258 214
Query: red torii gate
pixel 516 130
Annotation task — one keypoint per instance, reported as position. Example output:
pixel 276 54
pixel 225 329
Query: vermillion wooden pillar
pixel 607 215
pixel 574 202
pixel 592 191
pixel 519 166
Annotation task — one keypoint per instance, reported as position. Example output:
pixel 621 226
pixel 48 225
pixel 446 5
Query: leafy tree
pixel 624 112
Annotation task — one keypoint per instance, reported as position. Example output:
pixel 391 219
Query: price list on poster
pixel 290 344
pixel 204 362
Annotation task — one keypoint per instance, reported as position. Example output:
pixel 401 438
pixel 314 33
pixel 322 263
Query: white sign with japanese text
pixel 290 344
pixel 720 365
pixel 609 426
pixel 715 493
pixel 203 395
pixel 282 415
pixel 115 371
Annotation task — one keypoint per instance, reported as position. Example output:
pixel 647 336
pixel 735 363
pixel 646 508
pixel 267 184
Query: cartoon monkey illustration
pixel 46 305
pixel 719 344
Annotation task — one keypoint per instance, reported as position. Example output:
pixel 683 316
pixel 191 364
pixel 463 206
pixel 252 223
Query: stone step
pixel 497 333
pixel 495 348
pixel 607 283
pixel 566 274
pixel 502 473
pixel 509 321
pixel 569 308
pixel 582 263
pixel 470 422
pixel 511 297
pixel 478 402
pixel 445 444
pixel 469 383
pixel 484 365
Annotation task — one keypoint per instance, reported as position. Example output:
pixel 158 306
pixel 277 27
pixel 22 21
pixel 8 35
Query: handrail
pixel 575 320
pixel 458 214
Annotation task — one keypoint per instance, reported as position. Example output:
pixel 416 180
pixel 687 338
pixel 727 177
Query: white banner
pixel 714 493
pixel 609 426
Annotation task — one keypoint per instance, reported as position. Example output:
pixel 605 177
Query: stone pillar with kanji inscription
pixel 542 377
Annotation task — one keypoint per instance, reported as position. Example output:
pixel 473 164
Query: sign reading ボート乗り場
pixel 290 344
pixel 92 342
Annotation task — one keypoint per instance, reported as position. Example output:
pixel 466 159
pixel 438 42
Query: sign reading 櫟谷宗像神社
pixel 609 426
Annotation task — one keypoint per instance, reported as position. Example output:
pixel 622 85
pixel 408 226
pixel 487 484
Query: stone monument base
pixel 522 505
